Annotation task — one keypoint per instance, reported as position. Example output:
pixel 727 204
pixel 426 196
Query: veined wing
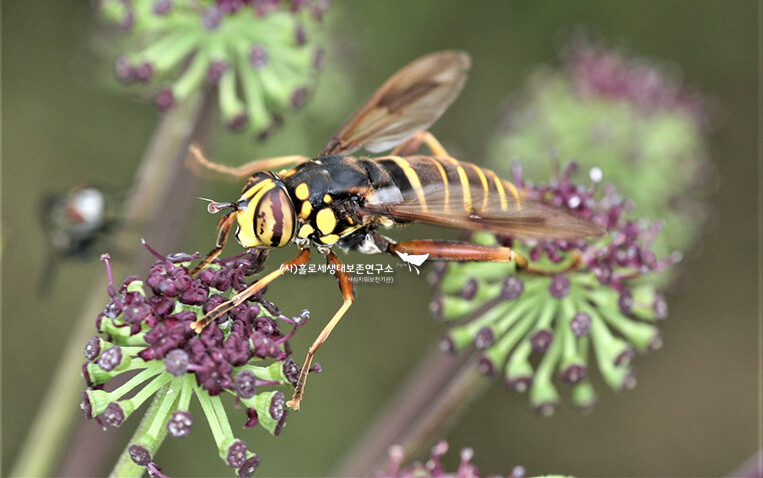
pixel 409 102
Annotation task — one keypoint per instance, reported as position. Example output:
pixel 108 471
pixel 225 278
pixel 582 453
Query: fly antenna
pixel 214 207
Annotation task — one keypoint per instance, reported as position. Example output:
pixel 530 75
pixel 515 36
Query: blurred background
pixel 695 409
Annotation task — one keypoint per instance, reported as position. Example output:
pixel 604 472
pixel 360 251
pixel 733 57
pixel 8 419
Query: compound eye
pixel 275 219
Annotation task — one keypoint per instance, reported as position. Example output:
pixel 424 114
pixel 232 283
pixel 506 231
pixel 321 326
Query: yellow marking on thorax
pixel 445 183
pixel 329 238
pixel 464 185
pixel 413 178
pixel 302 192
pixel 305 231
pixel 483 180
pixel 327 198
pixel 285 173
pixel 325 220
pixel 306 209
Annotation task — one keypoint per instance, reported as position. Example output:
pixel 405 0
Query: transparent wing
pixel 475 210
pixel 409 102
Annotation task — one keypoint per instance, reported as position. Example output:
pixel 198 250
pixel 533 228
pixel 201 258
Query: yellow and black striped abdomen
pixel 439 185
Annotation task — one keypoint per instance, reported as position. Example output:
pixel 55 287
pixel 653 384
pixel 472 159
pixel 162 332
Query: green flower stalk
pixel 145 329
pixel 261 56
pixel 627 116
pixel 595 304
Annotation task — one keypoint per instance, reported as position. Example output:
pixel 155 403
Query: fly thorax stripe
pixel 413 179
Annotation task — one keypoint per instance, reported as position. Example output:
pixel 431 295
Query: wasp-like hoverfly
pixel 340 200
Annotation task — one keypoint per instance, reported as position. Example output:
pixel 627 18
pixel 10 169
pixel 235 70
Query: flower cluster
pixel 259 54
pixel 146 329
pixel 434 468
pixel 590 298
pixel 628 116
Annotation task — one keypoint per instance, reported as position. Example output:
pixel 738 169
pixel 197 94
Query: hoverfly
pixel 340 200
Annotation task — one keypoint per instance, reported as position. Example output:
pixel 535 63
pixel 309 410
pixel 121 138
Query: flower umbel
pixel 260 55
pixel 145 329
pixel 598 302
pixel 434 467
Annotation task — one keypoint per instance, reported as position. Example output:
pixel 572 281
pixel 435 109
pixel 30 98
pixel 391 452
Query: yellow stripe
pixel 413 178
pixel 501 192
pixel 483 180
pixel 445 182
pixel 464 185
pixel 514 192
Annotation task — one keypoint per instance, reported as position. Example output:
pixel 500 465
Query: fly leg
pixel 225 224
pixel 200 164
pixel 346 287
pixel 302 258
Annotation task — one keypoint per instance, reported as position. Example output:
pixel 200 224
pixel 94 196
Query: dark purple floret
pixel 86 406
pixel 110 358
pixel 625 301
pixel 213 15
pixel 251 418
pixel 236 454
pixel 486 367
pixel 144 72
pixel 180 424
pixel 660 307
pixel 249 467
pixel 512 288
pixel 93 348
pixel 245 384
pixel 238 122
pixel 299 98
pixel 277 405
pixel 300 35
pixel 519 383
pixel 124 70
pixel 542 340
pixel 162 7
pixel 113 416
pixel 581 324
pixel 560 286
pixel 258 57
pixel 176 362
pixel 291 370
pixel 625 356
pixel 140 455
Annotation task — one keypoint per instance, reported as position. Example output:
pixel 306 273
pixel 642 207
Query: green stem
pixel 127 468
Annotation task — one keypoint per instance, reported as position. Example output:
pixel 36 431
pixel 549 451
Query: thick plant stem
pixel 161 174
pixel 428 403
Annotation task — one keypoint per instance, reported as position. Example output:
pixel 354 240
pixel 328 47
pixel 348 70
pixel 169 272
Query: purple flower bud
pixel 113 416
pixel 484 338
pixel 625 356
pixel 124 70
pixel 486 367
pixel 512 288
pixel 86 406
pixel 212 17
pixel 281 423
pixel 144 72
pixel 469 290
pixel 110 358
pixel 238 122
pixel 258 57
pixel 573 374
pixel 435 308
pixel 176 362
pixel 140 455
pixel 519 383
pixel 291 370
pixel 660 307
pixel 249 466
pixel 236 454
pixel 165 100
pixel 277 405
pixel 162 7
pixel 300 35
pixel 180 424
pixel 581 324
pixel 542 340
pixel 625 301
pixel 245 384
pixel 560 286
pixel 251 418
pixel 299 98
pixel 215 70
pixel 517 472
pixel 93 348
